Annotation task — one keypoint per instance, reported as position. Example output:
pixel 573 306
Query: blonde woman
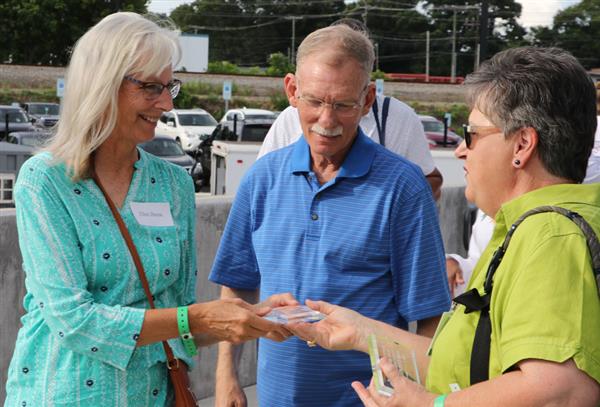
pixel 88 337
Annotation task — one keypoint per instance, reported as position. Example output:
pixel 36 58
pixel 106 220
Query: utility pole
pixel 427 56
pixel 453 65
pixel 293 47
pixel 377 56
pixel 483 30
pixel 455 9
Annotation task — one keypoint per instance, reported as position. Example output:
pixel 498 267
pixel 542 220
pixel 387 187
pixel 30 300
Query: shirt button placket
pixel 314 225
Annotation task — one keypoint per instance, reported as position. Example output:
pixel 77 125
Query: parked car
pixel 42 114
pixel 12 119
pixel 245 114
pixel 165 147
pixel 34 139
pixel 186 126
pixel 237 125
pixel 434 131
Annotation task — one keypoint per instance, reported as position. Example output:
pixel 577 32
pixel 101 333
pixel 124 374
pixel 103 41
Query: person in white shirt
pixel 459 268
pixel 404 135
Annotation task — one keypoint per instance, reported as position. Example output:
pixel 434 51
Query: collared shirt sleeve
pixel 417 258
pixel 235 264
pixel 58 284
pixel 545 302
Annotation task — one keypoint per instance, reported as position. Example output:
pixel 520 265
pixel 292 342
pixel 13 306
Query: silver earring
pixel 517 162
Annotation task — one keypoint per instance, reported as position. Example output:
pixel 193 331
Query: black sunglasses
pixel 152 90
pixel 481 131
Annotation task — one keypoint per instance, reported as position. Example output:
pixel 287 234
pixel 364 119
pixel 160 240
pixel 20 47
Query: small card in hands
pixel 290 314
pixel 403 359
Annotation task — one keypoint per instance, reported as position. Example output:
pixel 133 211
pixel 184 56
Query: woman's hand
pixel 232 320
pixel 406 392
pixel 342 328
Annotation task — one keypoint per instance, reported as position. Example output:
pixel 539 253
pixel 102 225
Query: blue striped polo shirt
pixel 368 240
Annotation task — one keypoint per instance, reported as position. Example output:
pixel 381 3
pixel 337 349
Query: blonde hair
pixel 337 43
pixel 120 44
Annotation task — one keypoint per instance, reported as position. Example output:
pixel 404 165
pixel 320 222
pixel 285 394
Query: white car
pixel 245 114
pixel 186 126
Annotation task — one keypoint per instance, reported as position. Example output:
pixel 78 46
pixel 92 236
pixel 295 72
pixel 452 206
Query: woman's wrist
pixel 196 318
pixel 364 327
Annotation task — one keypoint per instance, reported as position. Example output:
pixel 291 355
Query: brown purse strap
pixel 172 360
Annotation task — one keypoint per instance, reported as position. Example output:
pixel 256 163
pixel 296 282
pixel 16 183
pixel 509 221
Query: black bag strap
pixel 384 114
pixel 473 301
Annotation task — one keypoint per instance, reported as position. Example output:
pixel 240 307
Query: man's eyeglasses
pixel 153 90
pixel 481 131
pixel 342 109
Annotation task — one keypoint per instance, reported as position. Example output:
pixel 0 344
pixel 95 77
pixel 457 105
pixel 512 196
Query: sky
pixel 534 13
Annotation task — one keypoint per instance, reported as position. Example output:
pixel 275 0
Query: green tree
pixel 397 30
pixel 44 31
pixel 576 29
pixel 247 32
pixel 503 31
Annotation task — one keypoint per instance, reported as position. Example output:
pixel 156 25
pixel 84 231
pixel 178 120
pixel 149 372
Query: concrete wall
pixel 212 216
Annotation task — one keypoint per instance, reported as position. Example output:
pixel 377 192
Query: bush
pixel 377 75
pixel 279 101
pixel 279 65
pixel 223 67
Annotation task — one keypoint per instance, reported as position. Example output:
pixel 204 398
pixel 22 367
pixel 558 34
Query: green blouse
pixel 544 303
pixel 85 303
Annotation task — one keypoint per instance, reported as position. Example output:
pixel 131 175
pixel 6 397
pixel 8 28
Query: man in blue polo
pixel 334 216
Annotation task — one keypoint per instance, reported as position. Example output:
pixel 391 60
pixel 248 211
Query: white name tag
pixel 152 213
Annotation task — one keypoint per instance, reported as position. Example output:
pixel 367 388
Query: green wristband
pixel 183 326
pixel 439 402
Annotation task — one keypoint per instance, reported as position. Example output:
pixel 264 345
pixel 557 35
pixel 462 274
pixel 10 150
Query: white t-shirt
pixel 593 169
pixel 404 134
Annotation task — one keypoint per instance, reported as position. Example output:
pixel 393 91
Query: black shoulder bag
pixel 473 301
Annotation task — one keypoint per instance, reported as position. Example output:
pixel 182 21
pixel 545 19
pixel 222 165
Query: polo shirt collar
pixel 555 195
pixel 356 164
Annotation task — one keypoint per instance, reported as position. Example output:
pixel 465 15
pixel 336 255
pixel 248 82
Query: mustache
pixel 336 131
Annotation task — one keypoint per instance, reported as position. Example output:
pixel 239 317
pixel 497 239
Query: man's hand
pixel 229 393
pixel 455 275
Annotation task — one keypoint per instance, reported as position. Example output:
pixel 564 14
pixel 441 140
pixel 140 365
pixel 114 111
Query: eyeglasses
pixel 342 109
pixel 481 131
pixel 153 90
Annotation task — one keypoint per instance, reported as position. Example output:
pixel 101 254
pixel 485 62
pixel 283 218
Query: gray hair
pixel 120 44
pixel 339 42
pixel 548 90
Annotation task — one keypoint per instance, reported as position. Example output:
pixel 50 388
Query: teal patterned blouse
pixel 85 303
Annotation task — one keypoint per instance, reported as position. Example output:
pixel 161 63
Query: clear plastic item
pixel 293 314
pixel 403 359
